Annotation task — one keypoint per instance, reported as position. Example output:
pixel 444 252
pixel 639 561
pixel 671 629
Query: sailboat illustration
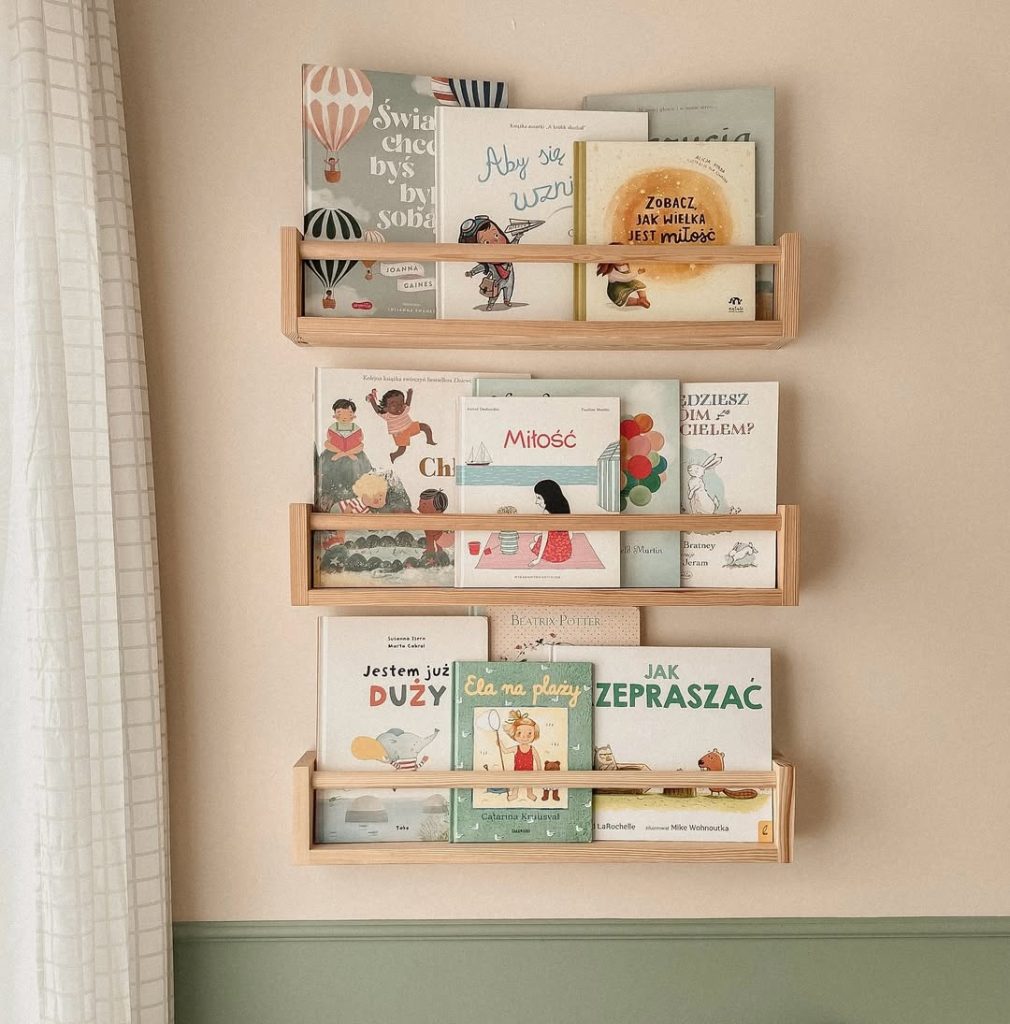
pixel 479 457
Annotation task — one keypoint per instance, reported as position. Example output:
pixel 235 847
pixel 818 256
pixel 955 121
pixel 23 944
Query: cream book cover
pixel 526 632
pixel 385 703
pixel 728 464
pixel 664 193
pixel 540 456
pixel 505 177
pixel 681 708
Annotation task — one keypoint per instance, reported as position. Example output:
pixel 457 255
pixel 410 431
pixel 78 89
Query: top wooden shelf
pixel 376 332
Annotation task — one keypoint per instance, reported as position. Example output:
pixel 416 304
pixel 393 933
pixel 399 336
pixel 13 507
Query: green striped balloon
pixel 328 226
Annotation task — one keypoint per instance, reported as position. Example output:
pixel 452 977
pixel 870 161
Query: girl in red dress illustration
pixel 552 545
pixel 521 728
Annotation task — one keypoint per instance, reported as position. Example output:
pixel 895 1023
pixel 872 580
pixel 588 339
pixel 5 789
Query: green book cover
pixel 522 716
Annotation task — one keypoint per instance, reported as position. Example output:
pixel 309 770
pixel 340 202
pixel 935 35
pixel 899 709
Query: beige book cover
pixel 527 632
pixel 664 193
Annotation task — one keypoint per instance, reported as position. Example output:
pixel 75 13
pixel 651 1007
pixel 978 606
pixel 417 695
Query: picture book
pixel 385 699
pixel 385 441
pixel 522 717
pixel 664 193
pixel 368 142
pixel 536 455
pixel 527 632
pixel 681 708
pixel 505 177
pixel 718 115
pixel 650 464
pixel 728 464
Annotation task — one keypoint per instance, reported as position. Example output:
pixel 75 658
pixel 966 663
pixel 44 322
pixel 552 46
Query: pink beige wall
pixel 892 676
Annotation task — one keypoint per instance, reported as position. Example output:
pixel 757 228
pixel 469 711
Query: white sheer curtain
pixel 85 929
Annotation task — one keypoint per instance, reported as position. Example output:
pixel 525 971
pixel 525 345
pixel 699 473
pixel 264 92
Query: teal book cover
pixel 717 115
pixel 522 717
pixel 650 463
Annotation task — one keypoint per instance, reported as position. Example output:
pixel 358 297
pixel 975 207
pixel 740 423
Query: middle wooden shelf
pixel 304 522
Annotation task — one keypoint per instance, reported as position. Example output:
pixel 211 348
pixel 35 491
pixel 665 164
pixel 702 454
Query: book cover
pixel 650 463
pixel 718 115
pixel 505 177
pixel 385 699
pixel 385 441
pixel 664 193
pixel 369 174
pixel 729 461
pixel 681 708
pixel 522 716
pixel 527 632
pixel 535 455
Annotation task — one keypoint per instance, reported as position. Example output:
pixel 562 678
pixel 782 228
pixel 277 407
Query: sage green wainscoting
pixel 773 971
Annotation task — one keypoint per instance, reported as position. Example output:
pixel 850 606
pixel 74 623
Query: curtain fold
pixel 85 701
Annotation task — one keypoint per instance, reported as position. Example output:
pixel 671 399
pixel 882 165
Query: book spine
pixel 453 802
pixel 439 227
pixel 579 228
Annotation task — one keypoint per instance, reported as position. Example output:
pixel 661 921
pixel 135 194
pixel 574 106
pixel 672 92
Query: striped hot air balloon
pixel 371 236
pixel 330 226
pixel 336 103
pixel 470 92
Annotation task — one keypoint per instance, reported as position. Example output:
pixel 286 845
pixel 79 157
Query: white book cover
pixel 385 442
pixel 539 456
pixel 681 708
pixel 522 632
pixel 665 193
pixel 729 465
pixel 505 177
pixel 385 701
pixel 650 464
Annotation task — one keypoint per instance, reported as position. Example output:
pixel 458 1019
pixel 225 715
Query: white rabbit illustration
pixel 698 499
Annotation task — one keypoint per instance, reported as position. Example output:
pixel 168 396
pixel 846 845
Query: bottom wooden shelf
pixel 307 780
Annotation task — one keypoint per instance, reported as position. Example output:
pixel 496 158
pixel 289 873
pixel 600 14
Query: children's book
pixel 527 632
pixel 718 115
pixel 505 177
pixel 664 193
pixel 369 175
pixel 728 459
pixel 650 463
pixel 385 441
pixel 536 455
pixel 385 699
pixel 681 708
pixel 522 717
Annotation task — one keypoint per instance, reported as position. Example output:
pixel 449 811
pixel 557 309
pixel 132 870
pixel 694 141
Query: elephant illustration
pixel 395 747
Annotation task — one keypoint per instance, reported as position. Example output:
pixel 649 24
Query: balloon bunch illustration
pixel 643 469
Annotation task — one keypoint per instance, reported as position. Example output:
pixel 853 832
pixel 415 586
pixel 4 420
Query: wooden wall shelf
pixel 307 780
pixel 369 332
pixel 303 521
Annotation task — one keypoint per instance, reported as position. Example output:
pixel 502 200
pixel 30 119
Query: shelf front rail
pixel 379 332
pixel 307 781
pixel 304 522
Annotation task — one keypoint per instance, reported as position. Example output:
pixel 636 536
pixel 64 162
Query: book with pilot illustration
pixel 728 465
pixel 522 717
pixel 664 193
pixel 385 701
pixel 650 463
pixel 681 708
pixel 504 177
pixel 540 456
pixel 369 175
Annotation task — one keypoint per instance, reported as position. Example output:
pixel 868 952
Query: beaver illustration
pixel 551 766
pixel 715 761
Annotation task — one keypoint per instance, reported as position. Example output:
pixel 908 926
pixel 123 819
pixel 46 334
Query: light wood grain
pixel 787 287
pixel 785 809
pixel 788 555
pixel 384 779
pixel 451 252
pixel 304 807
pixel 301 554
pixel 491 521
pixel 291 283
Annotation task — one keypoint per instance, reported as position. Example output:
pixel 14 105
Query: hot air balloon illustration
pixel 371 236
pixel 336 103
pixel 329 226
pixel 469 92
